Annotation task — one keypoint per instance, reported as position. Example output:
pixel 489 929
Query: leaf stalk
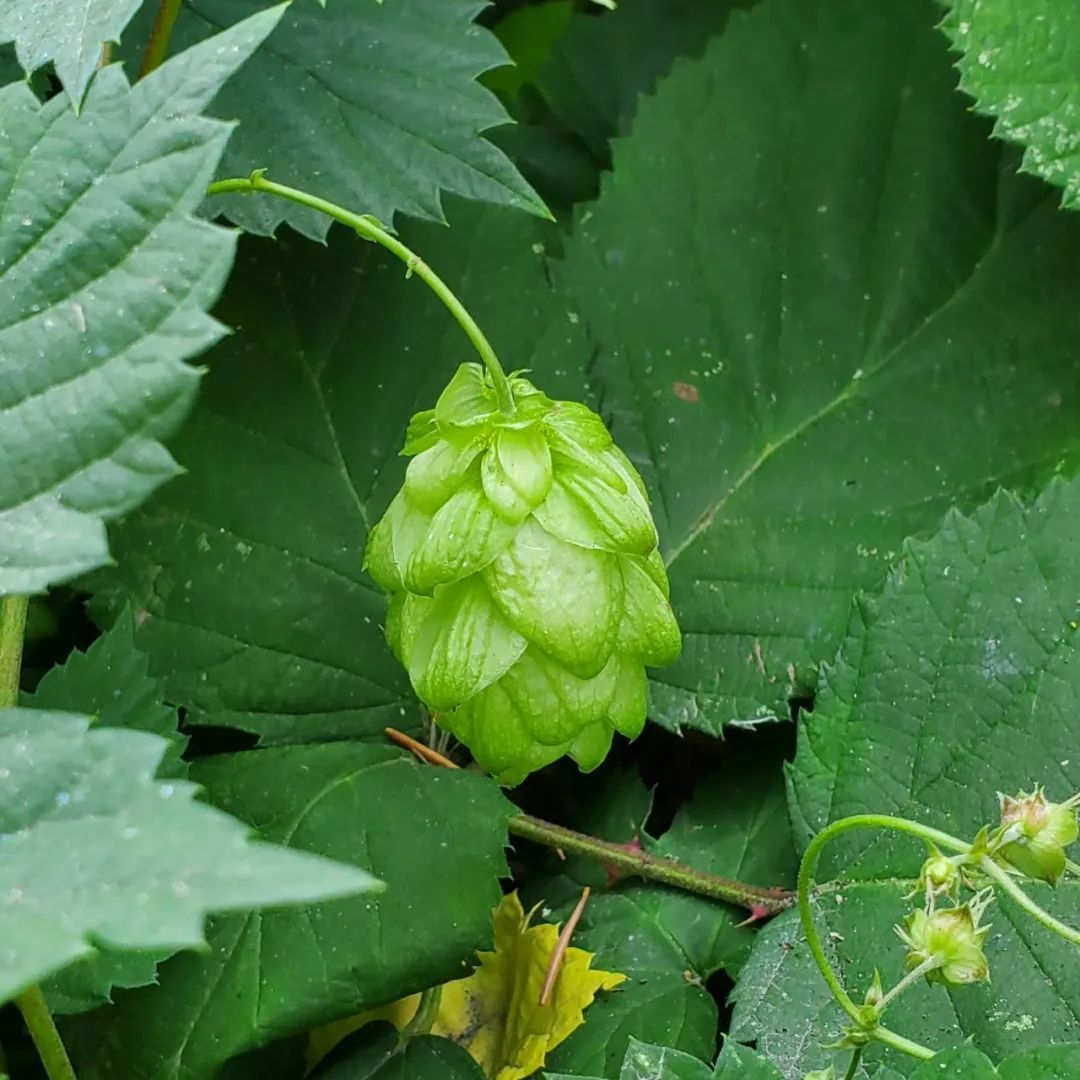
pixel 157 48
pixel 1041 915
pixel 370 229
pixel 42 1029
pixel 12 625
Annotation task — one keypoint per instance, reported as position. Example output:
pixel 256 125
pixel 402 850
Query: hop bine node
pixel 948 943
pixel 527 591
pixel 1035 833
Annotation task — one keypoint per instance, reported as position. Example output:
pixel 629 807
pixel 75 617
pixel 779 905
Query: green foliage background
pixel 815 262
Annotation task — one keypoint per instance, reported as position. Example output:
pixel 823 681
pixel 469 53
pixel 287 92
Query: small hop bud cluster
pixel 947 943
pixel 940 876
pixel 1034 834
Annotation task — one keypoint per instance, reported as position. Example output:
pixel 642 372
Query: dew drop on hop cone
pixel 527 592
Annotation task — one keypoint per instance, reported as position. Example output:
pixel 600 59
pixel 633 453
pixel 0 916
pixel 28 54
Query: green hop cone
pixel 527 592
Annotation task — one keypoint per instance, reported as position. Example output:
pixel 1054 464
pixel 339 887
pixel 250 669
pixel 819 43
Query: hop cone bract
pixel 527 590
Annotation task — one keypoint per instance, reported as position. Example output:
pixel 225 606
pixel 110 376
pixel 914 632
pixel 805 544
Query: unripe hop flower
pixel 949 941
pixel 1036 833
pixel 527 590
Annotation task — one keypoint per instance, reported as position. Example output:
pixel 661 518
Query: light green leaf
pixel 1020 61
pixel 104 281
pixel 70 33
pixel 143 862
pixel 434 837
pixel 808 372
pixel 374 106
pixel 249 598
pixel 959 681
pixel 110 682
pixel 668 942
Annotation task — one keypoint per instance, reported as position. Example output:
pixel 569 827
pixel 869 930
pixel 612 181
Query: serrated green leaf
pixel 105 278
pixel 1020 61
pixel 668 942
pixel 645 1061
pixel 1043 1063
pixel 740 1063
pixel 434 837
pixel 70 33
pixel 805 345
pixel 966 1063
pixel 110 682
pixel 143 862
pixel 959 681
pixel 250 599
pixel 373 106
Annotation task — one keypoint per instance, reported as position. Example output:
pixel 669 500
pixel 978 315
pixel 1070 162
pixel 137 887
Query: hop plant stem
pixel 157 47
pixel 1004 880
pixel 759 901
pixel 813 939
pixel 370 229
pixel 31 1003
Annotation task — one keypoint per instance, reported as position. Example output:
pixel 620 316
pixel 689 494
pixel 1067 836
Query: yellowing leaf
pixel 496 1013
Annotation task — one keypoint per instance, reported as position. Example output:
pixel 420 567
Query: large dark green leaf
pixel 959 681
pixel 434 837
pixel 826 311
pixel 105 278
pixel 1020 61
pixel 607 60
pixel 668 942
pixel 374 106
pixel 249 595
pixel 96 850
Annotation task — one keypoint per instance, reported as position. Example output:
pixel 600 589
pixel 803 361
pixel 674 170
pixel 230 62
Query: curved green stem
pixel 370 229
pixel 47 1041
pixel 157 47
pixel 912 977
pixel 427 1011
pixel 853 1065
pixel 1002 878
pixel 806 914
